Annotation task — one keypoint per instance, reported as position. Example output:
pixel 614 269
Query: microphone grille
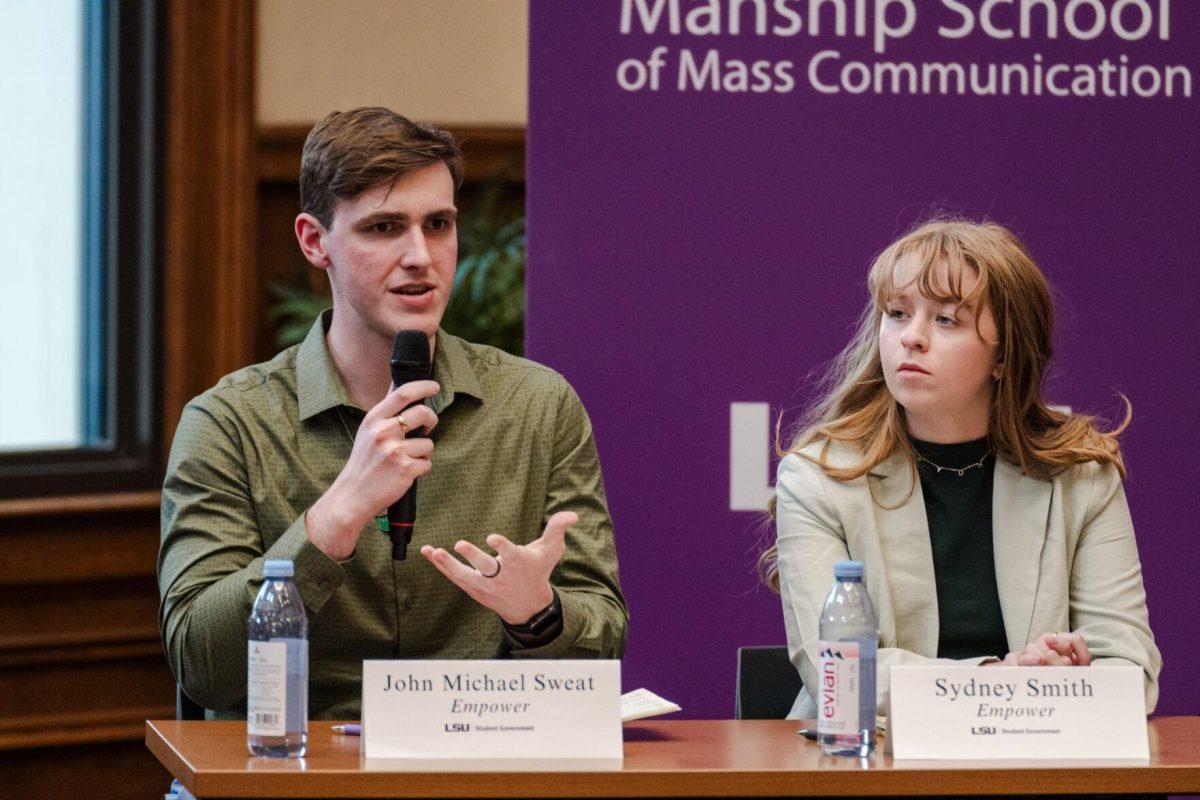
pixel 410 347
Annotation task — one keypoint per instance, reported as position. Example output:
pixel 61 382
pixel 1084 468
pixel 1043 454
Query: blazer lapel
pixel 1020 514
pixel 903 529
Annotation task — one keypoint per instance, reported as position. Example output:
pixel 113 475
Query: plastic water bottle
pixel 277 678
pixel 846 672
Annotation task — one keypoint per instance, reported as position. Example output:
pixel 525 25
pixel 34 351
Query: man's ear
pixel 310 233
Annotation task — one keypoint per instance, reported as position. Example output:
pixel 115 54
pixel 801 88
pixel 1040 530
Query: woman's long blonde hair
pixel 857 409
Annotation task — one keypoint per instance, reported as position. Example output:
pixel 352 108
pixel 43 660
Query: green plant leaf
pixel 478 285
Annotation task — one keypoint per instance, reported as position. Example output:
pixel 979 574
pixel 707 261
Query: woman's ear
pixel 997 370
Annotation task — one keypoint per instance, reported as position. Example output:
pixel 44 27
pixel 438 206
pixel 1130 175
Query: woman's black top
pixel 959 510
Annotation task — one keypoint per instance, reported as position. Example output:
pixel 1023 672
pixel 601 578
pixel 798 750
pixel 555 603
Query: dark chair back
pixel 186 707
pixel 767 683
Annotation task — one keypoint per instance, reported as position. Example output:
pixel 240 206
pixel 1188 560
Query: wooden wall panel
pixel 68 548
pixel 115 607
pixel 210 285
pixel 115 771
pixel 81 664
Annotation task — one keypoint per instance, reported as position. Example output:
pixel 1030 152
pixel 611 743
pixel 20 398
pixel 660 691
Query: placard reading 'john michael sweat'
pixel 492 709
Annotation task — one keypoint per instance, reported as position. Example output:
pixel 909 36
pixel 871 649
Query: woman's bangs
pixel 942 266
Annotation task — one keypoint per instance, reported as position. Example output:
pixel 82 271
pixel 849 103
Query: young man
pixel 295 457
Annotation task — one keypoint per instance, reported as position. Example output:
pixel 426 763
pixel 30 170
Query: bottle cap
pixel 281 568
pixel 847 569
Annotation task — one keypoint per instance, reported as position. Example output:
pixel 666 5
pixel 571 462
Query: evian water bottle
pixel 846 672
pixel 277 678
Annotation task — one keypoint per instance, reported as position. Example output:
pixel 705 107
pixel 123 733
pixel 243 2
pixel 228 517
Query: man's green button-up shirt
pixel 513 445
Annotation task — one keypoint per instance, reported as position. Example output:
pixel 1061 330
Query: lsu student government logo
pixel 983 730
pixel 457 727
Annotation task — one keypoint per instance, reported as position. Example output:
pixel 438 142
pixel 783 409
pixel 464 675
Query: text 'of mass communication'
pixel 821 30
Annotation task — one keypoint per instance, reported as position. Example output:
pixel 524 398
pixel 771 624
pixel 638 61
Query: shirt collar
pixel 453 371
pixel 319 387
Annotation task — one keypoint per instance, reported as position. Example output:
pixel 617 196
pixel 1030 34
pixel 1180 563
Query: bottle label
pixel 297 674
pixel 266 689
pixel 838 673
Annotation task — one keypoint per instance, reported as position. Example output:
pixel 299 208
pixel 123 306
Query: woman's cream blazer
pixel 1065 555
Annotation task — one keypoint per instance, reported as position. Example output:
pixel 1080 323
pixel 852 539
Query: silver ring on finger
pixel 494 574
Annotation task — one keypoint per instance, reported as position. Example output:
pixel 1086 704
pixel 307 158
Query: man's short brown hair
pixel 348 152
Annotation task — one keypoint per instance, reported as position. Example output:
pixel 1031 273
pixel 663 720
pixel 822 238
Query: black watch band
pixel 540 622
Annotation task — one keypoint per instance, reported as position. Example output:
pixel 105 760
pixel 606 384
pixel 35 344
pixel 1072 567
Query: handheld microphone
pixel 410 362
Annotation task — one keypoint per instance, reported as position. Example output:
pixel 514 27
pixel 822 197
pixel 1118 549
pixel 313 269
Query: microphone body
pixel 410 362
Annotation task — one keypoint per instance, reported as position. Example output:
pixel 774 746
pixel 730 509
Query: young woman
pixel 993 529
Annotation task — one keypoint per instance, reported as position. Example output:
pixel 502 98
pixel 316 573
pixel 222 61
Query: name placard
pixel 1018 712
pixel 543 709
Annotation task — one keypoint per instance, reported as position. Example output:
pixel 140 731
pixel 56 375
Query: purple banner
pixel 708 182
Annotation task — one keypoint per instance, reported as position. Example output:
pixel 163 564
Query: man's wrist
pixel 519 618
pixel 541 623
pixel 331 530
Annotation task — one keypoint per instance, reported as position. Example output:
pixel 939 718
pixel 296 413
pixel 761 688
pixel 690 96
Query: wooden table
pixel 696 758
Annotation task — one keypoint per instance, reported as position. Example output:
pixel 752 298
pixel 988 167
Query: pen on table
pixel 349 729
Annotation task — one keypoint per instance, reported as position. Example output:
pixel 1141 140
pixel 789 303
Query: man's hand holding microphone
pixel 382 467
